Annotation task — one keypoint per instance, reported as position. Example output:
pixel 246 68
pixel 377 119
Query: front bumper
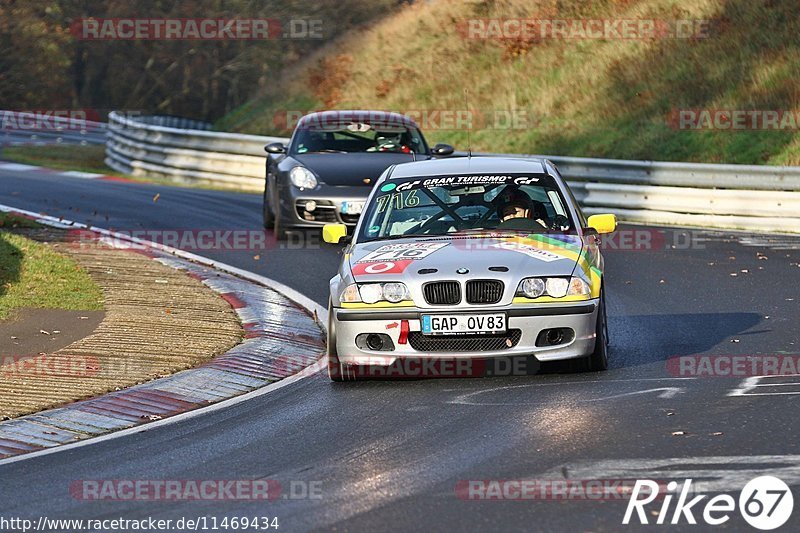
pixel 329 201
pixel 581 317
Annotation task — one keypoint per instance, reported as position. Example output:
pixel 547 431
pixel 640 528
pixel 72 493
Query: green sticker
pixel 374 229
pixel 388 187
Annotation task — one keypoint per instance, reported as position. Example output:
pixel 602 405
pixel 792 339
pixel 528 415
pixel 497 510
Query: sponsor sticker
pixel 381 267
pixel 530 251
pixel 450 181
pixel 403 251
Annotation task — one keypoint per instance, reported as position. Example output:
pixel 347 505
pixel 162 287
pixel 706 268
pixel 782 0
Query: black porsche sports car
pixel 332 161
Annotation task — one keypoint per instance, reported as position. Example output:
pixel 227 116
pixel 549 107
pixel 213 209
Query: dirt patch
pixel 34 331
pixel 157 321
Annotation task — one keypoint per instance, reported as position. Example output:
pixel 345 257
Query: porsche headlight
pixel 553 287
pixel 303 178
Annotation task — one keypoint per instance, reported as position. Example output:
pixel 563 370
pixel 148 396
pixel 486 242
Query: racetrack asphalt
pixel 389 455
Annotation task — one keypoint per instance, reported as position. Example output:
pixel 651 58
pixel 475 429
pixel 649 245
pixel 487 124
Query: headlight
pixel 578 286
pixel 557 287
pixel 395 292
pixel 303 178
pixel 370 293
pixel 554 287
pixel 532 287
pixel 350 294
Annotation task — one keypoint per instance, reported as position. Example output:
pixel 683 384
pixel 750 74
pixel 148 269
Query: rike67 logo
pixel 765 503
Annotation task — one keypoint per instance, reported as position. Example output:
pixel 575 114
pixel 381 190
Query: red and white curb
pixel 284 342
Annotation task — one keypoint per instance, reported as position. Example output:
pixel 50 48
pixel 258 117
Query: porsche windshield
pixel 358 137
pixel 453 204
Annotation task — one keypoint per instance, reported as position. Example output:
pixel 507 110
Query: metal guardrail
pixel 169 121
pixel 749 197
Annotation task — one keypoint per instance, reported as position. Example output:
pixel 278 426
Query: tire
pixel 336 370
pixel 277 229
pixel 598 361
pixel 269 217
pixel 277 225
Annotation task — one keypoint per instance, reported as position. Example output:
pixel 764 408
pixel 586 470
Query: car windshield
pixel 358 137
pixel 448 205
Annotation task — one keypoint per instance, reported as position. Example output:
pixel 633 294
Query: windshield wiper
pixel 326 151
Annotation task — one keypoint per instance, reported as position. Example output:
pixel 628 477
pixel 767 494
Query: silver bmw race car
pixel 467 258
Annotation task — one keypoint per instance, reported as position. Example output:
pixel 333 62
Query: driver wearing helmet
pixel 517 211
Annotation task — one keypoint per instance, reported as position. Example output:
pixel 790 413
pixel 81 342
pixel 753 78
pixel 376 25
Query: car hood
pixel 352 168
pixel 484 257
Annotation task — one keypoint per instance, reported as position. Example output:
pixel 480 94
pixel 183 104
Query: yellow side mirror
pixel 333 233
pixel 603 223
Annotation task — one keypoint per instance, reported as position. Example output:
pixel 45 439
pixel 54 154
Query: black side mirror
pixel 275 148
pixel 442 149
pixel 560 223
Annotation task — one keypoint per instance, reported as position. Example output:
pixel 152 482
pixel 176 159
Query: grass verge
pixel 61 157
pixel 33 275
pixel 608 97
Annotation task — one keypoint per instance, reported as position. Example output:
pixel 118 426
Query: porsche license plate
pixel 352 208
pixel 463 324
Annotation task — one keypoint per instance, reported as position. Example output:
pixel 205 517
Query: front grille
pixel 323 213
pixel 349 219
pixel 442 292
pixel 484 291
pixel 464 343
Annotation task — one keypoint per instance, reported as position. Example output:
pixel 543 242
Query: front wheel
pixel 598 361
pixel 278 226
pixel 269 218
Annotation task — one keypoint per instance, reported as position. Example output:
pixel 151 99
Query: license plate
pixel 352 208
pixel 463 324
